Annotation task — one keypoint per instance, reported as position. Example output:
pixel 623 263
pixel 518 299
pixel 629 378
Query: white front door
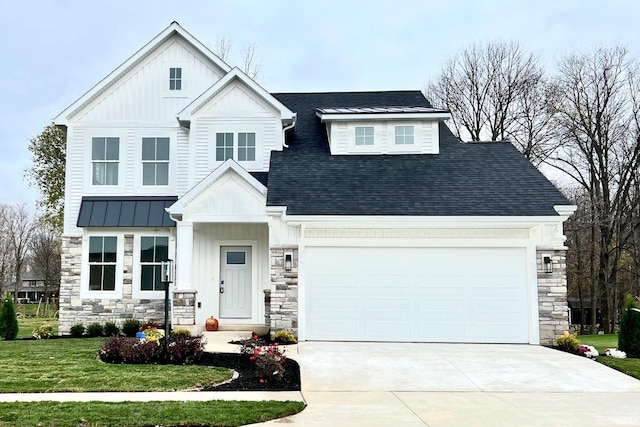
pixel 235 282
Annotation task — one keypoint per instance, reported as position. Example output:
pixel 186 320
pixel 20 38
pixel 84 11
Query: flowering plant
pixel 588 351
pixel 269 360
pixel 615 353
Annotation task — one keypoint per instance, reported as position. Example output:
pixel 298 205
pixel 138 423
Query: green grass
pixel 213 413
pixel 26 325
pixel 36 310
pixel 600 342
pixel 72 365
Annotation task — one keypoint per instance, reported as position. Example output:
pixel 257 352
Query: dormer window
pixel 364 135
pixel 175 78
pixel 404 135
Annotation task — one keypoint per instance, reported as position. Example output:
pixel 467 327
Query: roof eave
pixel 382 116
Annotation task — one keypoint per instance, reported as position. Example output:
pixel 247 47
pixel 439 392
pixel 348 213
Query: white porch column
pixel 184 254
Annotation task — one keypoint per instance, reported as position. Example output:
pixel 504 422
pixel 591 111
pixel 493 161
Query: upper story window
pixel 102 263
pixel 155 161
pixel 244 152
pixel 364 135
pixel 246 146
pixel 175 78
pixel 105 154
pixel 153 250
pixel 404 135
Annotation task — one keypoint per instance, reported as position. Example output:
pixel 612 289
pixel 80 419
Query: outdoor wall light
pixel 548 264
pixel 287 262
pixel 166 271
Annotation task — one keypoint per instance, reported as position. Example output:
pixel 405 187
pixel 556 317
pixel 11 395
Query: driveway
pixel 394 384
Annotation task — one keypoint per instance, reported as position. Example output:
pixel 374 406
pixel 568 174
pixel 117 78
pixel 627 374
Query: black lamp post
pixel 166 277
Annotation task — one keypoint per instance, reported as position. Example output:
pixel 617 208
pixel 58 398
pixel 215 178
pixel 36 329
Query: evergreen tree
pixel 629 337
pixel 8 319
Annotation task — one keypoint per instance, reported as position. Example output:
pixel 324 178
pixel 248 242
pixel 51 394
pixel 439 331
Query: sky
pixel 53 51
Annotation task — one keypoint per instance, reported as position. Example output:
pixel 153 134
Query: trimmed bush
pixel 629 336
pixel 130 327
pixel 180 332
pixel 95 329
pixel 77 330
pixel 181 351
pixel 111 329
pixel 8 319
pixel 568 342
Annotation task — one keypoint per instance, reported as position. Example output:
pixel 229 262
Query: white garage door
pixel 416 294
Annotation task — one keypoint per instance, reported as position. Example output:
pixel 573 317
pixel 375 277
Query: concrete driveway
pixel 394 384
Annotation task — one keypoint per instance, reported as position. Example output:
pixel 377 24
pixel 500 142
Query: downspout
pixel 284 130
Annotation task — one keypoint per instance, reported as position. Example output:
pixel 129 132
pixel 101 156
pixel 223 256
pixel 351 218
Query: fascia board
pixel 382 116
pixel 431 221
pixel 173 28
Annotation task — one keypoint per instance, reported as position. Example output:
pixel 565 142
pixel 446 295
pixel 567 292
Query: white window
pixel 175 78
pixel 102 263
pixel 364 135
pixel 153 250
pixel 105 154
pixel 155 161
pixel 244 152
pixel 246 146
pixel 224 146
pixel 404 135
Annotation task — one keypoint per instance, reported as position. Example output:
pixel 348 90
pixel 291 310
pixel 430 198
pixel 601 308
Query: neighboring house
pixel 31 289
pixel 351 216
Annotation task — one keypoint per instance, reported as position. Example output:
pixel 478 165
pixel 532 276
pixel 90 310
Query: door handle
pixel 222 286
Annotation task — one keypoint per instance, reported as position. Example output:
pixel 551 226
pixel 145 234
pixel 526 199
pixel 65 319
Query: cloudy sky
pixel 53 51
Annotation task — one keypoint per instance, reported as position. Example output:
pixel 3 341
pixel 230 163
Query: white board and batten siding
pixel 417 285
pixel 207 240
pixel 342 137
pixel 235 109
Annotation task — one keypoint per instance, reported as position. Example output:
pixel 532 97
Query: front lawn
pixel 72 365
pixel 26 325
pixel 213 413
pixel 602 342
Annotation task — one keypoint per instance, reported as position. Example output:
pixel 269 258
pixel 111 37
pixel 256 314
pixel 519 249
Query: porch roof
pixel 114 211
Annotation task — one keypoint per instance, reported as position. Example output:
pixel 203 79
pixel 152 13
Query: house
pixel 351 216
pixel 31 289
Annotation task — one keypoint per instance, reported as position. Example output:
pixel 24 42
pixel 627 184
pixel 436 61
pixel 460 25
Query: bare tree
pixel 251 61
pixel 18 227
pixel 45 259
pixel 6 253
pixel 598 124
pixel 496 92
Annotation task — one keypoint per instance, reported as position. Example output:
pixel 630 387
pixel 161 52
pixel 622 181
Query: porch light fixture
pixel 166 271
pixel 287 262
pixel 548 264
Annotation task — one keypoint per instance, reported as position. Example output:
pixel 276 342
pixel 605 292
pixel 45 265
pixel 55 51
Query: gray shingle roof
pixel 141 211
pixel 465 179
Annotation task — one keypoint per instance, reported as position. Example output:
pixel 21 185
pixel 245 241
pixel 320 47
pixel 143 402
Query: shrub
pixel 153 335
pixel 181 350
pixel 111 329
pixel 43 331
pixel 151 324
pixel 568 342
pixel 130 327
pixel 77 330
pixel 129 350
pixel 8 319
pixel 284 336
pixel 180 332
pixel 629 337
pixel 269 362
pixel 95 329
pixel 247 346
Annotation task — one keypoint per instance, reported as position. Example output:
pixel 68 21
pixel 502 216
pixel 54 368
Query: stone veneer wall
pixel 281 301
pixel 184 308
pixel 552 296
pixel 74 309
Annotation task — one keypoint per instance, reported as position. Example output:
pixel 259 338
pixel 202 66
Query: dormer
pixel 382 130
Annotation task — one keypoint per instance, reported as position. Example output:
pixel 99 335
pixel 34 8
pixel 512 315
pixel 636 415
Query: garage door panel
pixel 431 294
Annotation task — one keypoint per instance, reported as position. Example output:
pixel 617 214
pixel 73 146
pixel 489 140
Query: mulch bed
pixel 247 380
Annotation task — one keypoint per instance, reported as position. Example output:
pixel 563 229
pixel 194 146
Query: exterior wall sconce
pixel 166 271
pixel 288 262
pixel 548 264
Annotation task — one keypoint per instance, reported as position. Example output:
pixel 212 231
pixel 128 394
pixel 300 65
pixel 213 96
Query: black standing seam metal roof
pixel 114 211
pixel 465 179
